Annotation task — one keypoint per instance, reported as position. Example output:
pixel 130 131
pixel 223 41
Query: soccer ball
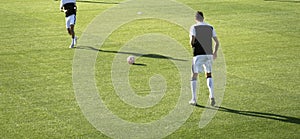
pixel 130 59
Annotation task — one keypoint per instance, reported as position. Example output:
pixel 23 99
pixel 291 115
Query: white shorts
pixel 202 63
pixel 70 20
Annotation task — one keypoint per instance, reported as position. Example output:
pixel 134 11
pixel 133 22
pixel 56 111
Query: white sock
pixel 73 41
pixel 210 85
pixel 193 88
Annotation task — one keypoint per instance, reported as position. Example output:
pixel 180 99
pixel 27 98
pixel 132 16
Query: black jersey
pixel 70 9
pixel 203 40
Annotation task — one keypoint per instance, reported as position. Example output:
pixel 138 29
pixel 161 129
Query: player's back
pixel 203 41
pixel 70 9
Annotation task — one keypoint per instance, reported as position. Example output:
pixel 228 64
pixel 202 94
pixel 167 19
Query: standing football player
pixel 70 9
pixel 201 36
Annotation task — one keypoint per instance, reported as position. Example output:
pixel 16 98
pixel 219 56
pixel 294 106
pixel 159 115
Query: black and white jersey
pixel 69 7
pixel 203 34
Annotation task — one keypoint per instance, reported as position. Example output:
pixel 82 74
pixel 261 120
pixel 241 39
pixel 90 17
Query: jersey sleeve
pixel 192 31
pixel 214 34
pixel 61 5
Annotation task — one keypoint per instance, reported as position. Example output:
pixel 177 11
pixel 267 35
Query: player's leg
pixel 69 29
pixel 195 70
pixel 209 81
pixel 70 24
pixel 210 85
pixel 193 101
pixel 73 34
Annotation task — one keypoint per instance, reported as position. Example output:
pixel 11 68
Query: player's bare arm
pixel 62 9
pixel 192 41
pixel 215 54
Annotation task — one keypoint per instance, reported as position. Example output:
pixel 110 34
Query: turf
pixel 259 40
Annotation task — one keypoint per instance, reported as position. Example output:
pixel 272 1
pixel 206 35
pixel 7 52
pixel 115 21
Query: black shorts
pixel 70 9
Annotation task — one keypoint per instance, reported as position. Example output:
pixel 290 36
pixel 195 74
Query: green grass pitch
pixel 259 40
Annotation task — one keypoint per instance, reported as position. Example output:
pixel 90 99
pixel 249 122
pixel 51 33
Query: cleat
pixel 193 102
pixel 212 102
pixel 71 46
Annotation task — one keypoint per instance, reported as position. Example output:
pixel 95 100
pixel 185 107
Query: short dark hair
pixel 200 13
pixel 199 16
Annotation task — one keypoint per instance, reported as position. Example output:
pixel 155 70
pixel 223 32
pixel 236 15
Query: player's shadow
pixel 139 64
pixel 284 1
pixel 271 116
pixel 95 2
pixel 158 56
